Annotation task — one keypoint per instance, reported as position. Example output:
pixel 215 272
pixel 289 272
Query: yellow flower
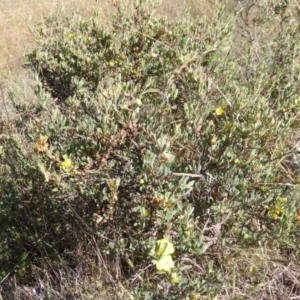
pixel 124 107
pixel 162 252
pixel 138 102
pixel 71 36
pixel 66 163
pixel 228 127
pixel 165 263
pixel 273 214
pixel 145 212
pixel 111 63
pixel 174 278
pixel 164 247
pixel 219 111
pixel 283 200
pixel 20 272
pixel 193 296
pixel 277 209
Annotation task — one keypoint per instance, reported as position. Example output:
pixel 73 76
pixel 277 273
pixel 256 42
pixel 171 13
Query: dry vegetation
pixel 17 16
pixel 276 272
pixel 16 19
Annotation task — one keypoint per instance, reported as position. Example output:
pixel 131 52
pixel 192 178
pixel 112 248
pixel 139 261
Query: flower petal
pixel 66 163
pixel 219 111
pixel 165 264
pixel 164 247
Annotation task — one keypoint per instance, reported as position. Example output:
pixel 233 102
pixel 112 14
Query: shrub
pixel 150 131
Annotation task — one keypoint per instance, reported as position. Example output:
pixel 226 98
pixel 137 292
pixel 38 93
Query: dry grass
pixel 261 273
pixel 16 17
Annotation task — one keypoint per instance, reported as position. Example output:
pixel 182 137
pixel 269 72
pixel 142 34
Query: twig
pixel 188 175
